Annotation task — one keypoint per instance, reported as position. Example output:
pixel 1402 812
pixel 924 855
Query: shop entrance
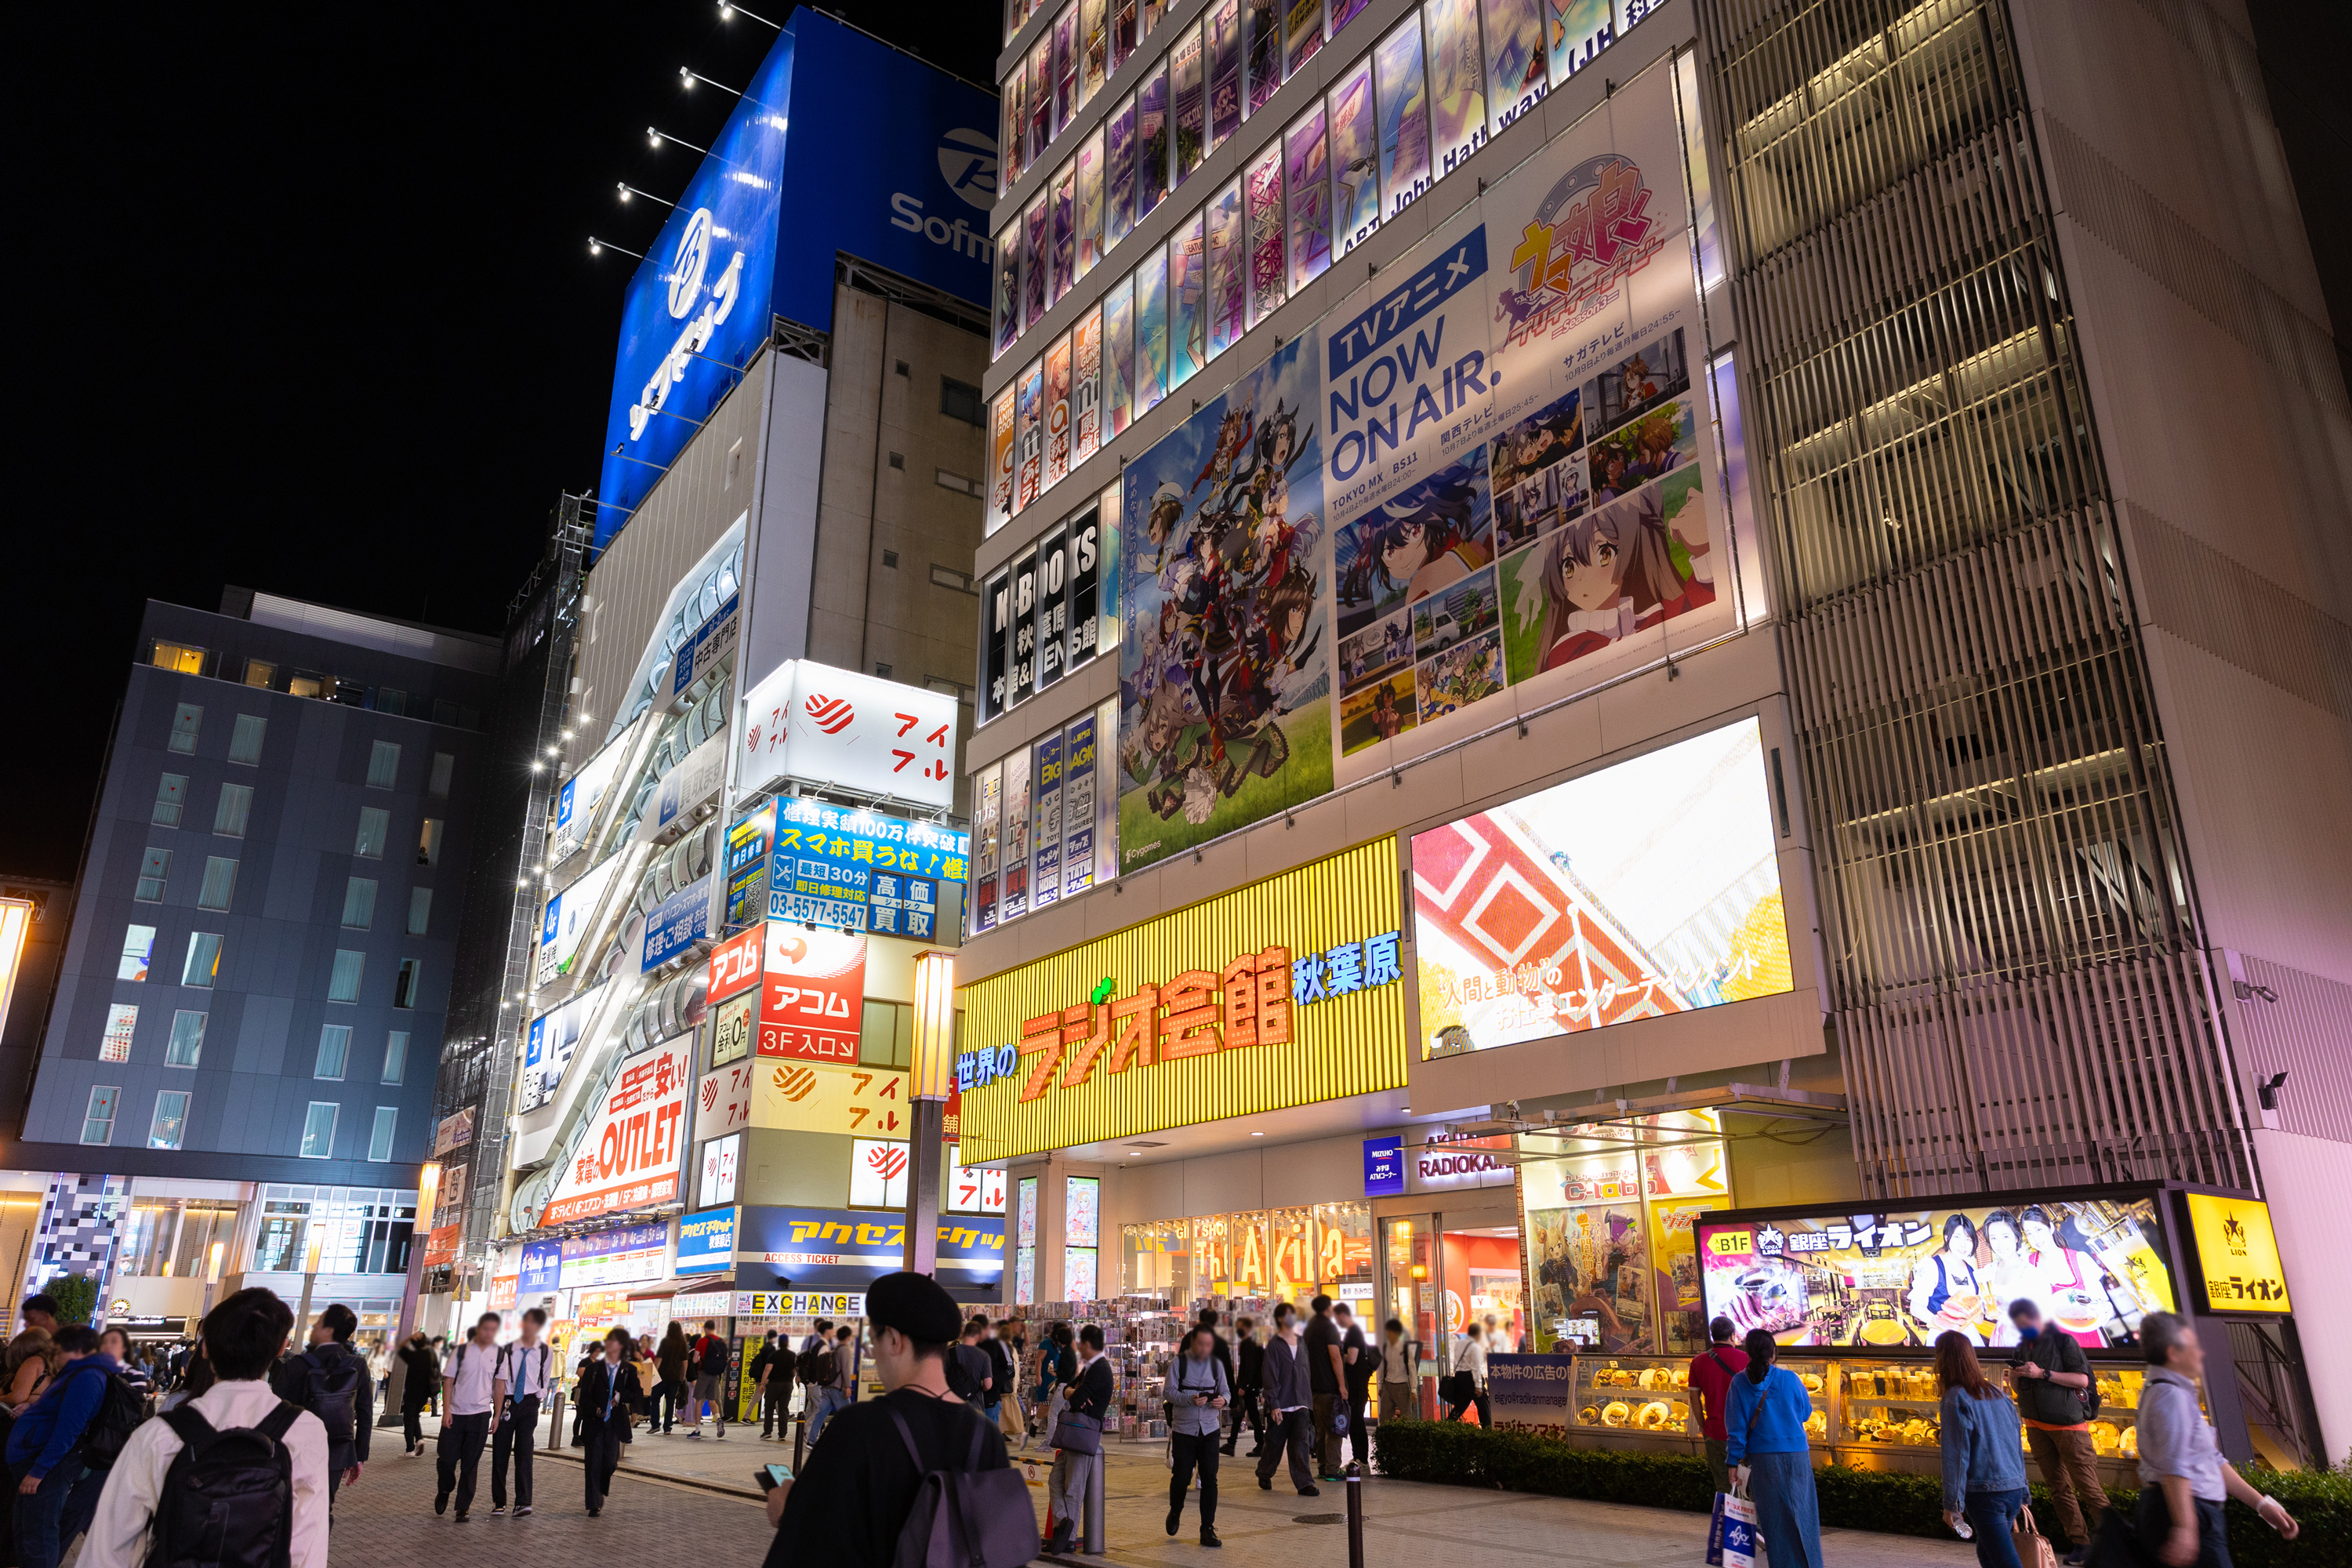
pixel 1442 1276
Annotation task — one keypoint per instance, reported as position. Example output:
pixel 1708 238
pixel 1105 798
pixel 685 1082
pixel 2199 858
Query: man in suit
pixel 608 1389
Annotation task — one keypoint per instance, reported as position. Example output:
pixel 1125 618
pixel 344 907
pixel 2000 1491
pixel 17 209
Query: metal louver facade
pixel 2017 968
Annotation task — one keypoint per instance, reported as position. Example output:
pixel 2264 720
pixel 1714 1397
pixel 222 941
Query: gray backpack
pixel 970 1518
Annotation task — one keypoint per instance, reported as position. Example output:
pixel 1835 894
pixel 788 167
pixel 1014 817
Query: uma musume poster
pixel 1225 664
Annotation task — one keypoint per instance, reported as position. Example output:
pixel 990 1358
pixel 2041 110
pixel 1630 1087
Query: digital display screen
pixel 2093 1268
pixel 1642 889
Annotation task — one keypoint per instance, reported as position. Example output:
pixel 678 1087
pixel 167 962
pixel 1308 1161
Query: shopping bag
pixel 2033 1548
pixel 1731 1533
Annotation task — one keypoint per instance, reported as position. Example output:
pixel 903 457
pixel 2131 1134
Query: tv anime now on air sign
pixel 900 169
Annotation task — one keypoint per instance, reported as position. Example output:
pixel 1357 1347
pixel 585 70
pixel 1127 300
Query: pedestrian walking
pixel 971 1375
pixel 671 1360
pixel 471 1393
pixel 1984 1453
pixel 1711 1371
pixel 1396 1372
pixel 1767 1450
pixel 1005 1409
pixel 779 1377
pixel 329 1379
pixel 2056 1398
pixel 191 1486
pixel 608 1388
pixel 857 1490
pixel 2184 1480
pixel 1249 1381
pixel 1356 1364
pixel 1470 1377
pixel 1290 1408
pixel 422 1377
pixel 710 1358
pixel 755 1378
pixel 840 1389
pixel 1325 1384
pixel 56 1491
pixel 523 1369
pixel 1198 1394
pixel 1088 1394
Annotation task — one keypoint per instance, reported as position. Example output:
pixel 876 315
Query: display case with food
pixel 1638 1398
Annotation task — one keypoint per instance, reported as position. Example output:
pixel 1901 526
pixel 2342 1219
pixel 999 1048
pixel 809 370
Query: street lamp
pixel 929 1083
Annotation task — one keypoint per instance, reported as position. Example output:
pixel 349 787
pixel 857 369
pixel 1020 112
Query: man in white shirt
pixel 523 1369
pixel 242 1338
pixel 472 1389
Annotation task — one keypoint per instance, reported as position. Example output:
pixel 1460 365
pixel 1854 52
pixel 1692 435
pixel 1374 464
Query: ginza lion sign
pixel 1286 993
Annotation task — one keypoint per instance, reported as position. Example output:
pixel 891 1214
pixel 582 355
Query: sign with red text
pixel 635 1147
pixel 853 733
pixel 735 963
pixel 877 1173
pixel 814 992
pixel 722 1101
pixel 850 1102
pixel 973 1189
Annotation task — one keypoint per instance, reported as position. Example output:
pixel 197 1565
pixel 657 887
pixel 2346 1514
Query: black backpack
pixel 228 1498
pixel 714 1358
pixel 330 1389
pixel 815 1364
pixel 119 1411
pixel 961 1380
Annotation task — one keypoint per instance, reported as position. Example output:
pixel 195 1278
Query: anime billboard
pixel 1226 663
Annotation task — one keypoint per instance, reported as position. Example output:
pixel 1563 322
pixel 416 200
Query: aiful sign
pixel 1126 1035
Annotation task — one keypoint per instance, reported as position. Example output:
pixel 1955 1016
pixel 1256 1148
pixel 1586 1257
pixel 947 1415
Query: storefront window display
pixel 1612 1261
pixel 1081 1236
pixel 1024 1246
pixel 1282 1255
pixel 1155 1258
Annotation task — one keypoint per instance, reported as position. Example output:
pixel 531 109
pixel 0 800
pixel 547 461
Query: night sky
pixel 306 305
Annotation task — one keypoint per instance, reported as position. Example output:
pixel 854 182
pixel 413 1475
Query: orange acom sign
pixel 1303 972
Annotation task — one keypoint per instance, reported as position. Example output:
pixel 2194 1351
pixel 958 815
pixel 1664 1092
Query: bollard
pixel 800 1443
pixel 1355 1515
pixel 1092 1536
pixel 555 1430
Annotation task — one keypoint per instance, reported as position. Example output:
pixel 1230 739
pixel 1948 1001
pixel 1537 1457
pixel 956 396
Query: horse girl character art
pixel 1613 571
pixel 1432 539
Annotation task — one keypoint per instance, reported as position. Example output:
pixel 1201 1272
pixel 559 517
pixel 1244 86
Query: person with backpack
pixel 755 1374
pixel 816 1369
pixel 607 1391
pixel 710 1358
pixel 779 1375
pixel 331 1382
pixel 898 1473
pixel 524 1368
pixel 471 1393
pixel 420 1378
pixel 235 1478
pixel 971 1376
pixel 2056 1397
pixel 51 1447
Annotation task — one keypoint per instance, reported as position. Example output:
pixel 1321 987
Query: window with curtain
pixel 187 1045
pixel 358 902
pixel 171 794
pixel 379 1140
pixel 404 989
pixel 122 1023
pixel 375 827
pixel 245 745
pixel 138 949
pixel 420 909
pixel 395 1056
pixel 179 658
pixel 343 985
pixel 445 764
pixel 383 764
pixel 153 871
pixel 319 1131
pixel 335 1050
pixel 203 960
pixel 236 806
pixel 169 1121
pixel 428 843
pixel 98 1121
pixel 220 883
pixel 260 672
pixel 185 721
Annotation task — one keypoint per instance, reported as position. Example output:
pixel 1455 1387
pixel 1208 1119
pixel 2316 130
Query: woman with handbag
pixel 1076 1437
pixel 1984 1456
pixel 1770 1457
pixel 1197 1396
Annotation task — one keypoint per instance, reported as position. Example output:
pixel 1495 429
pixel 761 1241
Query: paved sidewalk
pixel 1407 1524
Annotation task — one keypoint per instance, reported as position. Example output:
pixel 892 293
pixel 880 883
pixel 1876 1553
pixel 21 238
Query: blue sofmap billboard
pixel 896 165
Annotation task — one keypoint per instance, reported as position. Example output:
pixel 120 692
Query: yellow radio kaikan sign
pixel 2238 1253
pixel 1285 993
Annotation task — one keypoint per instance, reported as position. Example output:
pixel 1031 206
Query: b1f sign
pixel 851 731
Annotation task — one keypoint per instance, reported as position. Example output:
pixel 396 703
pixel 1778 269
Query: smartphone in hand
pixel 771 1476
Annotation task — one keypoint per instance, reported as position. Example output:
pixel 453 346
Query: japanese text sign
pixel 849 731
pixel 2238 1253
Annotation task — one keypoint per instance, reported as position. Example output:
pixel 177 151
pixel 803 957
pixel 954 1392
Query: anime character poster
pixel 1576 31
pixel 1066 231
pixel 1035 244
pixel 1006 306
pixel 1085 386
pixel 1303 30
pixel 1000 459
pixel 1118 153
pixel 1225 662
pixel 1151 140
pixel 1031 397
pixel 1090 203
pixel 1150 333
pixel 1057 411
pixel 1398 65
pixel 1224 71
pixel 1355 160
pixel 1119 357
pixel 1261 50
pixel 1228 274
pixel 1516 80
pixel 1457 81
pixel 1189 113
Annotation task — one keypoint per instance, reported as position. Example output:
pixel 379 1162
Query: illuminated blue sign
pixel 896 165
pixel 543 1262
pixel 706 1241
pixel 1384 1166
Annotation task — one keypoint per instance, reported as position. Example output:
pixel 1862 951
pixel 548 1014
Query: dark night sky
pixel 307 307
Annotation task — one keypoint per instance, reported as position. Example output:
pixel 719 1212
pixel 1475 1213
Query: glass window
pixel 153 871
pixel 179 657
pixel 383 764
pixel 1227 285
pixel 444 764
pixel 885 1035
pixel 236 806
pixel 307 683
pixel 171 794
pixel 375 826
pixel 245 743
pixel 428 843
pixel 391 699
pixel 1187 316
pixel 185 721
pixel 319 1131
pixel 335 1050
pixel 1224 38
pixel 395 1056
pixel 379 1140
pixel 404 988
pixel 203 960
pixel 1151 138
pixel 358 902
pixel 98 1121
pixel 122 1023
pixel 187 1043
pixel 420 909
pixel 344 984
pixel 277 1247
pixel 260 672
pixel 169 1121
pixel 220 882
pixel 1119 170
pixel 1185 111
pixel 138 948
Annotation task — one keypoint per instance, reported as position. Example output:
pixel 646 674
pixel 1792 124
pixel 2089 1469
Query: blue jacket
pixel 53 1424
pixel 1780 1428
pixel 1984 1450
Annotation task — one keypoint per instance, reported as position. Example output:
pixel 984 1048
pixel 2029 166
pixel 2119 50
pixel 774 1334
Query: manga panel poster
pixel 1225 663
pixel 1118 143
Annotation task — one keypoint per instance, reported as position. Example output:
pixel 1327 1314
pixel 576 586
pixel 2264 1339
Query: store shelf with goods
pixel 1889 1413
pixel 1641 1400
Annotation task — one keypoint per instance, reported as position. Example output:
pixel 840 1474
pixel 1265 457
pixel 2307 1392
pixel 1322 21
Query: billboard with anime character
pixel 1225 662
